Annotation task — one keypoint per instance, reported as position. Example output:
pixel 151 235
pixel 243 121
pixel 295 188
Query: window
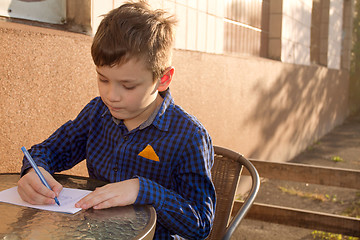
pixel 246 27
pixel 49 11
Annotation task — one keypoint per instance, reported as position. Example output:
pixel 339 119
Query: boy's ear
pixel 166 78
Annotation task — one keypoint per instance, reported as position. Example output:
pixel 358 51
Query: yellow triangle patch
pixel 149 153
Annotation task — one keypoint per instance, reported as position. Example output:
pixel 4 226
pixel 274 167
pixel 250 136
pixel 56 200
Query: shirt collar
pixel 150 120
pixel 162 120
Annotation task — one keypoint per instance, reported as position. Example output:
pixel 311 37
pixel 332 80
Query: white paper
pixel 67 198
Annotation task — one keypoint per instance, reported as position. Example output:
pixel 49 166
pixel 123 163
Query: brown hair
pixel 135 30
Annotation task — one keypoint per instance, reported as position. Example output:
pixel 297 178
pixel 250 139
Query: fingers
pixel 34 195
pixel 111 195
pixel 112 202
pixel 99 196
pixel 55 185
pixel 32 190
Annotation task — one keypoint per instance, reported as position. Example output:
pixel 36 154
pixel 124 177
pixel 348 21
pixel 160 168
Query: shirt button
pixel 115 169
pixel 126 138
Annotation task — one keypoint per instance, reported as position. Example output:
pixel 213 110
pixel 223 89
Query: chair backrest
pixel 226 175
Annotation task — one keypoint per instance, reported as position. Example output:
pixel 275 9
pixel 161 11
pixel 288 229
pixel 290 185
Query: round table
pixel 130 222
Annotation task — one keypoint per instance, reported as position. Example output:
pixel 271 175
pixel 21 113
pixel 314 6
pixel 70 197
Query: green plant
pixel 241 197
pixel 320 235
pixel 331 198
pixel 314 196
pixel 337 159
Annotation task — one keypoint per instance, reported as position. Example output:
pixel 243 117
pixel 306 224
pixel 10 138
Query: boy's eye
pixel 129 87
pixel 103 80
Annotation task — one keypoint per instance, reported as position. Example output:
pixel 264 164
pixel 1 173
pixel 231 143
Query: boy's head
pixel 134 30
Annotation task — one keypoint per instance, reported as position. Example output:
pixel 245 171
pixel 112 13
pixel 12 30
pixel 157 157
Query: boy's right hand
pixel 33 191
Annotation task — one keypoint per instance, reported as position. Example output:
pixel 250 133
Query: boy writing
pixel 133 136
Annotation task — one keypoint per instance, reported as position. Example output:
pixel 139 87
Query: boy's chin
pixel 118 116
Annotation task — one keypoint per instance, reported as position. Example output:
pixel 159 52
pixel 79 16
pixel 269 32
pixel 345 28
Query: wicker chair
pixel 226 175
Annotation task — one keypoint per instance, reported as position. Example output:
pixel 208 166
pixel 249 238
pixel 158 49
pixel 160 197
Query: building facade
pixel 267 78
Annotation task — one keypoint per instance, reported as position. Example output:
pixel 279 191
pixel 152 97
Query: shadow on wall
pixel 262 108
pixel 302 105
pixel 354 95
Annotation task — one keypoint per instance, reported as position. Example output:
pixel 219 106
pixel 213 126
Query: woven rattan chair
pixel 226 175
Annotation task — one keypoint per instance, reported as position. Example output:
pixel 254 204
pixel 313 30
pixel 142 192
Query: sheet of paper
pixel 68 197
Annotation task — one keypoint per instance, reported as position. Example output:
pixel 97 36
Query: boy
pixel 133 136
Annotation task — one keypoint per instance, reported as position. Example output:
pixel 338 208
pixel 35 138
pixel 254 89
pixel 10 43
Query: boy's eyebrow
pixel 120 80
pixel 99 73
pixel 102 75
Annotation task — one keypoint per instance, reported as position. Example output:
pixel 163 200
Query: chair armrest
pixel 248 201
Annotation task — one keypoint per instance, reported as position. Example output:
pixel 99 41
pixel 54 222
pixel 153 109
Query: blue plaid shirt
pixel 176 180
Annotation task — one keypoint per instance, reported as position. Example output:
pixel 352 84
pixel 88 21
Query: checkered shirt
pixel 178 184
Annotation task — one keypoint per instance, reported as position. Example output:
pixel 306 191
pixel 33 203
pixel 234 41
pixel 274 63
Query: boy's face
pixel 128 90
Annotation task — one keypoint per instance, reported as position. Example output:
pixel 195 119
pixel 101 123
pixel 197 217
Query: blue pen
pixel 37 170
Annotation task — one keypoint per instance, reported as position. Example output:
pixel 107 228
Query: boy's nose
pixel 114 94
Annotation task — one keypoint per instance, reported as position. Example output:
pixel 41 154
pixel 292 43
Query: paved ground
pixel 339 148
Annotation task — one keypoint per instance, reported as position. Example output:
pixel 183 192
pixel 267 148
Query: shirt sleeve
pixel 65 147
pixel 189 210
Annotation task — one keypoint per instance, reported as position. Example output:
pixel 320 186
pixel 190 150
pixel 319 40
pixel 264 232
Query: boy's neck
pixel 131 124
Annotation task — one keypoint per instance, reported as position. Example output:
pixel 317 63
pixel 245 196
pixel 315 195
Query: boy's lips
pixel 115 108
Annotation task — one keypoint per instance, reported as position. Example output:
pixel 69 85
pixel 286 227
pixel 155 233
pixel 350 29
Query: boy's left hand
pixel 111 195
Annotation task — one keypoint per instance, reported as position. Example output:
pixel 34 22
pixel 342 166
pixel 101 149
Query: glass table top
pixel 17 222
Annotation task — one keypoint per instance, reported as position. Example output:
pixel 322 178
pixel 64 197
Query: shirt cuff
pixel 26 166
pixel 150 193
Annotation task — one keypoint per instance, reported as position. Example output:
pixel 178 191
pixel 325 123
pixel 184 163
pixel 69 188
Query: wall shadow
pixel 302 105
pixel 354 86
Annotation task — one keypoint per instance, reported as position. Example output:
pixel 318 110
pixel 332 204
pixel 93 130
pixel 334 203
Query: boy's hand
pixel 33 191
pixel 111 195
